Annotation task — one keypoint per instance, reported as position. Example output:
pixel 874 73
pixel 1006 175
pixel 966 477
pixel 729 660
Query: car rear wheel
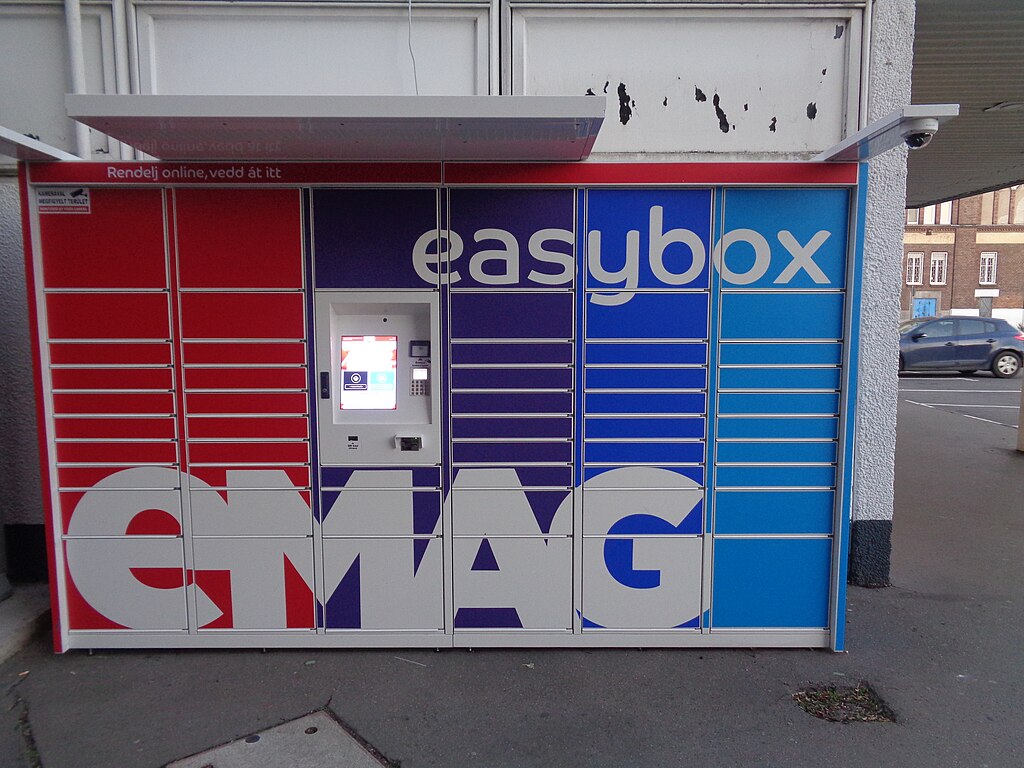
pixel 1005 365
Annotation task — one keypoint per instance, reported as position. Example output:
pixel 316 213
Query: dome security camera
pixel 918 133
pixel 912 126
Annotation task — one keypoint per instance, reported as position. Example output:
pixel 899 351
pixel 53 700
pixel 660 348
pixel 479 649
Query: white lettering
pixel 435 253
pixel 660 240
pixel 629 274
pixel 426 263
pixel 540 253
pixel 803 257
pixel 509 256
pixel 762 256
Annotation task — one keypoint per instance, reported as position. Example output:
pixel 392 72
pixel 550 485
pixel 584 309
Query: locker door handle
pixel 325 385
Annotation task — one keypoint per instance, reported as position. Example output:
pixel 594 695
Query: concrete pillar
pixel 874 464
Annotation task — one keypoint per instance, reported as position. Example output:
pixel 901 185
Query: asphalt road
pixel 981 397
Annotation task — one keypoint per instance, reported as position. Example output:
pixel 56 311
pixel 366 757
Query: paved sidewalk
pixel 22 615
pixel 942 647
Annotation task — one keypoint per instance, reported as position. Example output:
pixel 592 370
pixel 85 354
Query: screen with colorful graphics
pixel 368 368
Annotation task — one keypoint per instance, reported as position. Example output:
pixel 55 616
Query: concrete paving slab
pixel 23 614
pixel 314 741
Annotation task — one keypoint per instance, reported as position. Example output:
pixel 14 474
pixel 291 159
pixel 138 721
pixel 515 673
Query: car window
pixel 938 329
pixel 906 325
pixel 973 327
pixel 991 327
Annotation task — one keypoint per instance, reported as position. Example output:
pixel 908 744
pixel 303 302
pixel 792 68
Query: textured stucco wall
pixel 891 61
pixel 20 500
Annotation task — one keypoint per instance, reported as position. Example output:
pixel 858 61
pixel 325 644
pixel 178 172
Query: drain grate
pixel 845 703
pixel 314 741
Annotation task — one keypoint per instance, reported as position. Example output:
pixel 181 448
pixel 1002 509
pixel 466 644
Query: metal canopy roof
pixel 503 128
pixel 14 144
pixel 971 54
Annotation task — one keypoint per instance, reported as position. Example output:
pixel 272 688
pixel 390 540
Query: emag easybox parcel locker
pixel 445 405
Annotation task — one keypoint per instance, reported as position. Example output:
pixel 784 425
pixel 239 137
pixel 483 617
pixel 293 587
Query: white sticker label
pixel 63 200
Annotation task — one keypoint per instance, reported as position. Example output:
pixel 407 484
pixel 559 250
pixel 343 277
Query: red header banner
pixel 443 174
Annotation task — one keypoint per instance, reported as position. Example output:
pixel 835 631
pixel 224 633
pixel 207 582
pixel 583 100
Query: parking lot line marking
pixel 966 405
pixel 989 421
pixel 944 378
pixel 990 391
pixel 967 415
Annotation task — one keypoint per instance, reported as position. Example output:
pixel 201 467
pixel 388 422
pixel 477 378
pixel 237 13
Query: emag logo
pixel 675 258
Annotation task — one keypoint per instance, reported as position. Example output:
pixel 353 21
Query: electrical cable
pixel 412 55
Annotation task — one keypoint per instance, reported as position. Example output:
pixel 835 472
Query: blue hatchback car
pixel 964 344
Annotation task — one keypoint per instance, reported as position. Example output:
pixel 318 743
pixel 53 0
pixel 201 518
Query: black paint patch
pixel 840 28
pixel 632 103
pixel 590 92
pixel 824 70
pixel 870 551
pixel 606 84
pixel 812 111
pixel 698 94
pixel 746 107
pixel 624 111
pixel 665 102
pixel 774 122
pixel 723 121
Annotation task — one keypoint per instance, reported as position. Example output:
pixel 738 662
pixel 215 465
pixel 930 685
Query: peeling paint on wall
pixel 723 121
pixel 624 109
pixel 840 28
pixel 774 122
pixel 698 94
pixel 812 110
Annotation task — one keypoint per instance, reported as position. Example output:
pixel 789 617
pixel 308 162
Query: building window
pixel 946 212
pixel 915 262
pixel 988 269
pixel 941 213
pixel 937 273
pixel 913 215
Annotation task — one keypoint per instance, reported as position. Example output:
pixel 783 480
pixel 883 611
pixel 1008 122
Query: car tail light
pixel 1020 337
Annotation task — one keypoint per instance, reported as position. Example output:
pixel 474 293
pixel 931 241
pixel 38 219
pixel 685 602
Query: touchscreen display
pixel 368 373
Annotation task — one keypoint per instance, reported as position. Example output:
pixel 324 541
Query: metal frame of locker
pixel 218 484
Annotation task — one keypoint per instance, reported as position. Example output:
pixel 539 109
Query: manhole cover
pixel 844 703
pixel 313 741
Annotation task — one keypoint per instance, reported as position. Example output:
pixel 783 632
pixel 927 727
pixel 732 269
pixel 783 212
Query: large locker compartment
pixel 454 406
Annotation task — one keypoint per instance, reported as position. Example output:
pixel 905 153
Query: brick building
pixel 966 257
